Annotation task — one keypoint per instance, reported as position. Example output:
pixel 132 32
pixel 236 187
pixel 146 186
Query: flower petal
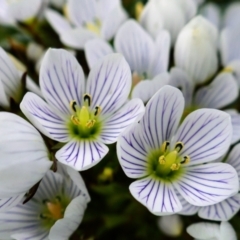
pixel 162 115
pixel 8 203
pixel 77 37
pixel 220 93
pixel 63 228
pixel 117 122
pixel 160 61
pixel 61 79
pixel 136 45
pixel 204 230
pixel 227 231
pixel 81 155
pixel 206 135
pixel 187 208
pixel 112 22
pixel 95 50
pixel 24 156
pixel 147 88
pixel 234 159
pixel 9 75
pixel 4 101
pixel 47 119
pixel 109 83
pixel 222 211
pixel 57 21
pixel 235 119
pixel 158 196
pixel 180 79
pixel 208 184
pixel 82 11
pixel 132 152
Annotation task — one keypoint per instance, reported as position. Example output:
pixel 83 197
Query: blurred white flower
pixel 196 49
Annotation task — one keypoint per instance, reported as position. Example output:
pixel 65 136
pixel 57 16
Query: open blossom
pixel 90 18
pixel 54 212
pixel 171 161
pixel 84 117
pixel 212 231
pixel 23 159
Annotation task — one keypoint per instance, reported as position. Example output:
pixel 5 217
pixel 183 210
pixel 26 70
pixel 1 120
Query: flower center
pixel 84 122
pixel 228 70
pixel 94 26
pixel 165 163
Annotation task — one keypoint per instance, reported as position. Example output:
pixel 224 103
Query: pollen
pixel 228 70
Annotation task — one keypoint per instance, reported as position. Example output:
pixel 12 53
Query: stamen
pixel 73 105
pixel 165 146
pixel 186 159
pixel 98 110
pixel 90 123
pixel 162 160
pixel 75 120
pixel 179 146
pixel 87 99
pixel 227 70
pixel 175 166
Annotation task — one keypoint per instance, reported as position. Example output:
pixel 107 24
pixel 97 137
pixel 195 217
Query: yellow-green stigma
pixel 84 122
pixel 227 70
pixel 94 26
pixel 165 163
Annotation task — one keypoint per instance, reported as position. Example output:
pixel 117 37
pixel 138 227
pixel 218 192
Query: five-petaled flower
pixel 84 117
pixel 171 161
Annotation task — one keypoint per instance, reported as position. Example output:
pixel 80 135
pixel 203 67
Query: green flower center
pixel 52 210
pixel 166 164
pixel 84 123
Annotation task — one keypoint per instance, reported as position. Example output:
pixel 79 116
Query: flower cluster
pixel 154 98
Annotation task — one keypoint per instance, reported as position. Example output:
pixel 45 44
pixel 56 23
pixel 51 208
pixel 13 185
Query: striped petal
pixel 8 203
pixel 208 184
pixel 220 93
pixel 109 83
pixel 95 50
pixel 81 155
pixel 77 37
pixel 23 158
pixel 9 75
pixel 63 228
pixel 61 79
pixel 187 208
pixel 117 122
pixel 82 11
pixel 57 21
pixel 222 211
pixel 162 115
pixel 206 135
pixel 180 79
pixel 147 88
pixel 47 119
pixel 160 61
pixel 136 46
pixel 158 196
pixel 132 152
pixel 234 159
pixel 235 119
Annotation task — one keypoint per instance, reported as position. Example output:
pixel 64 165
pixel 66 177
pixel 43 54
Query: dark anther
pixel 178 146
pixel 87 98
pixel 97 111
pixel 166 145
pixel 73 105
pixel 186 159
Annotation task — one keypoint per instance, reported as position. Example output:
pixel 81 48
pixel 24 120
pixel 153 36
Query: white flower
pixel 90 18
pixel 196 49
pixel 54 212
pixel 212 231
pixel 10 81
pixel 84 117
pixel 23 159
pixel 169 160
pixel 158 15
